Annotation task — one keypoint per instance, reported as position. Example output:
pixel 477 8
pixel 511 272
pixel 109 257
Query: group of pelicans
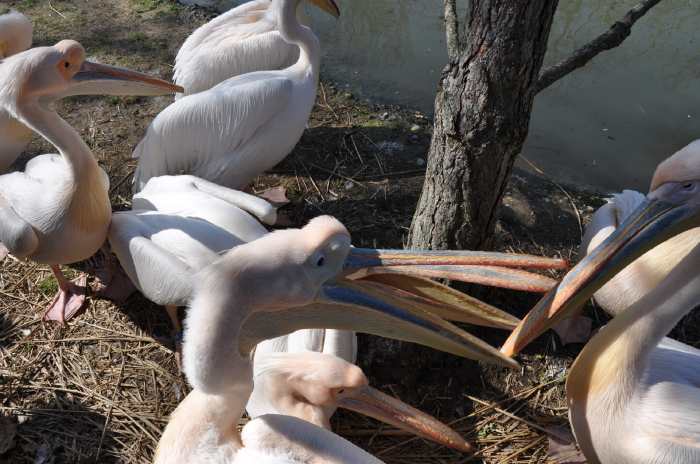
pixel 271 315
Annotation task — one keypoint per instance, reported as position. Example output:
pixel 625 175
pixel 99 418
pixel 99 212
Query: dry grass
pixel 101 389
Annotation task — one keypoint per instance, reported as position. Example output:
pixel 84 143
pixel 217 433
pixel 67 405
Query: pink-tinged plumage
pixel 633 393
pixel 57 211
pixel 244 125
pixel 273 277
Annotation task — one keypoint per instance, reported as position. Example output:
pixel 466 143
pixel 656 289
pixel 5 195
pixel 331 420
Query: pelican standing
pixel 244 39
pixel 281 282
pixel 57 211
pixel 181 224
pixel 633 394
pixel 15 37
pixel 243 126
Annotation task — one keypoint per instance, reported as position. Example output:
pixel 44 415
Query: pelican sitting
pixel 633 394
pixel 648 271
pixel 312 385
pixel 284 281
pixel 181 224
pixel 57 211
pixel 274 391
pixel 243 126
pixel 310 373
pixel 244 39
pixel 15 37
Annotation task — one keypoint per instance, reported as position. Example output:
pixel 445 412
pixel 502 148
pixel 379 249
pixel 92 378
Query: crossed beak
pixel 373 403
pixel 390 293
pixel 653 222
pixel 101 79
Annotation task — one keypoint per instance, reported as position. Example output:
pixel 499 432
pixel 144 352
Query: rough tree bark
pixel 482 113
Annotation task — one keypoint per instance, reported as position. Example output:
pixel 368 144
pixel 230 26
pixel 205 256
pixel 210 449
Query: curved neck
pixel 204 425
pixel 613 362
pixel 61 135
pixel 203 428
pixel 294 32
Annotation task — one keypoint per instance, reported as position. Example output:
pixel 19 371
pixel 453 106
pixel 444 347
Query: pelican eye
pixel 688 185
pixel 66 65
pixel 321 261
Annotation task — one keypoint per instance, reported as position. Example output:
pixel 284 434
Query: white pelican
pixel 15 37
pixel 633 394
pixel 240 128
pixel 244 39
pixel 283 281
pixel 181 224
pixel 57 211
pixel 648 271
pixel 311 385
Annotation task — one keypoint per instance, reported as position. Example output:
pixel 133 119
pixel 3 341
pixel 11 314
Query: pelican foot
pixel 68 301
pixel 112 283
pixel 3 252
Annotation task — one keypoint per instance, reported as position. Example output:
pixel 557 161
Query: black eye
pixel 321 261
pixel 66 65
pixel 688 186
pixel 340 392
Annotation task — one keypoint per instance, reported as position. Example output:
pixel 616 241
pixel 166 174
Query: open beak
pixel 441 300
pixel 411 271
pixel 102 79
pixel 493 276
pixel 345 305
pixel 329 6
pixel 370 257
pixel 653 222
pixel 373 403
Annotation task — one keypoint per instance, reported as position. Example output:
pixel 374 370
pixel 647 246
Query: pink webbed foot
pixel 68 301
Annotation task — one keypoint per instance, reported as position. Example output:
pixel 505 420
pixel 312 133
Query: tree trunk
pixel 482 113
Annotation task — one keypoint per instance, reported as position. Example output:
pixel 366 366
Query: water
pixel 607 125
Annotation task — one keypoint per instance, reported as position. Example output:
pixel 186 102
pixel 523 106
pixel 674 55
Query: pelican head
pixel 291 280
pixel 15 33
pixel 313 385
pixel 329 6
pixel 670 208
pixel 44 74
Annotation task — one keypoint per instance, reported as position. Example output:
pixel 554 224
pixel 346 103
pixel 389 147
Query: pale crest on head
pixel 682 166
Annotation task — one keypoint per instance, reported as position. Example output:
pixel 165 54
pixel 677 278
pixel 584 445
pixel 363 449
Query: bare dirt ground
pixel 101 388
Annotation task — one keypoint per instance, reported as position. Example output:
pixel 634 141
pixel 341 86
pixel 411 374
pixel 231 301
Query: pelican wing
pixel 190 185
pixel 668 418
pixel 242 40
pixel 206 133
pixel 161 276
pixel 16 234
pixel 284 439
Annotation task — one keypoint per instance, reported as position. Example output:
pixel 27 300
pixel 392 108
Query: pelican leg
pixel 176 333
pixel 111 282
pixel 69 299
